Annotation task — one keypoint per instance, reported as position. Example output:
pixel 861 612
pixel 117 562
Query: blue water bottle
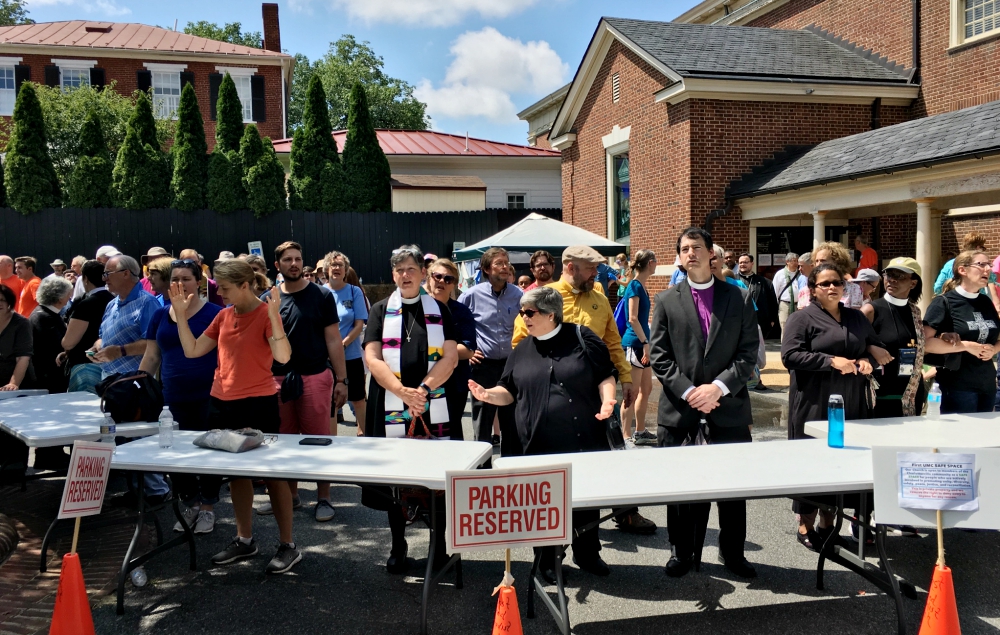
pixel 835 422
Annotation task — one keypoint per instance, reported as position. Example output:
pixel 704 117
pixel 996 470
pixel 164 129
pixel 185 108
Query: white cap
pixel 107 251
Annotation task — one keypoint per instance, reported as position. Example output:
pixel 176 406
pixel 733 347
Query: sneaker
pixel 206 522
pixel 645 438
pixel 189 515
pixel 267 510
pixel 237 550
pixel 286 558
pixel 324 510
pixel 636 523
pixel 629 444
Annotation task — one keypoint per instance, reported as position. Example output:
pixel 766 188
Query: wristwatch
pixel 426 388
pixel 344 381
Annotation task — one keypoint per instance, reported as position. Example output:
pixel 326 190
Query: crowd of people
pixel 543 357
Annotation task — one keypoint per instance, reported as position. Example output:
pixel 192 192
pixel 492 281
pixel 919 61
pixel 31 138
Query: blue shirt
pixel 125 321
pixel 605 274
pixel 677 276
pixel 184 379
pixel 636 290
pixel 466 326
pixel 494 315
pixel 948 272
pixel 350 307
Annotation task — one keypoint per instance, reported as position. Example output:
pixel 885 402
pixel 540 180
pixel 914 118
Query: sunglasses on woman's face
pixel 528 313
pixel 830 283
pixel 440 277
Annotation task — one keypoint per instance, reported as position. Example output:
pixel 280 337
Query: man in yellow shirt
pixel 586 305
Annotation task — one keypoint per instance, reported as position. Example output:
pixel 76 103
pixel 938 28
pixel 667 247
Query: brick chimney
pixel 272 32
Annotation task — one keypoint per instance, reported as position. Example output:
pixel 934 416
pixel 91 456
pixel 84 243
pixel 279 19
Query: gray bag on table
pixel 230 440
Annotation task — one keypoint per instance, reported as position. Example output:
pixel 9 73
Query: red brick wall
pixel 897 236
pixel 123 72
pixel 952 230
pixel 542 141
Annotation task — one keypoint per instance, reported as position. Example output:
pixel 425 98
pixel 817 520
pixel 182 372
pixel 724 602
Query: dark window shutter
pixel 257 104
pixel 214 82
pixel 21 74
pixel 51 75
pixel 144 80
pixel 187 77
pixel 97 77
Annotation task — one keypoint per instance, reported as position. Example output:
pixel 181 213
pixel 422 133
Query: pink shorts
pixel 310 413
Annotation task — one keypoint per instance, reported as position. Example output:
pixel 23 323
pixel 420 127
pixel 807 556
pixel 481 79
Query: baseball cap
pixel 904 263
pixel 867 275
pixel 582 252
pixel 107 251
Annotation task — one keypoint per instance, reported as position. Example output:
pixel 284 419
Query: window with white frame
pixel 246 96
pixel 166 93
pixel 981 17
pixel 515 201
pixel 8 90
pixel 74 77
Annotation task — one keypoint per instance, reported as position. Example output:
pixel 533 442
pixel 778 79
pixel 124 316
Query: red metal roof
pixel 122 36
pixel 429 142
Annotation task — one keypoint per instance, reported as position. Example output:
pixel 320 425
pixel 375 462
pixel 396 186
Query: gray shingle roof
pixel 951 136
pixel 703 49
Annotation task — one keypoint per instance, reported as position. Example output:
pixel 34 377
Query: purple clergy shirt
pixel 703 299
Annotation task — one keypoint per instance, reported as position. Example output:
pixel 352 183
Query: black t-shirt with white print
pixel 975 320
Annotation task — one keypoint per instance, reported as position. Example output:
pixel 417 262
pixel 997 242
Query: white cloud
pixel 108 8
pixel 420 12
pixel 488 68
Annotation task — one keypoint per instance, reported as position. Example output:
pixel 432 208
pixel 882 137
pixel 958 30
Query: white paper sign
pixel 937 481
pixel 491 509
pixel 764 260
pixel 86 479
pixel 778 260
pixel 255 247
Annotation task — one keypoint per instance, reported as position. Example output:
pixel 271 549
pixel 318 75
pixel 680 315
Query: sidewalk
pixel 27 597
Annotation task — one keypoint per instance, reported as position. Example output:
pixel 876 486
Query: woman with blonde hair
pixel 353 313
pixel 635 341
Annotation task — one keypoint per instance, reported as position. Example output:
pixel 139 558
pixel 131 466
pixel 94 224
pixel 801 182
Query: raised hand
pixel 274 302
pixel 478 392
pixel 179 300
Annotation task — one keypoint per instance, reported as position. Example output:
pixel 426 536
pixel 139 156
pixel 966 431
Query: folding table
pixel 978 430
pixel 738 471
pixel 14 394
pixel 353 460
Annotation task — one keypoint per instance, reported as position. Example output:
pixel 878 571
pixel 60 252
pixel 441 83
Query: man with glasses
pixel 543 266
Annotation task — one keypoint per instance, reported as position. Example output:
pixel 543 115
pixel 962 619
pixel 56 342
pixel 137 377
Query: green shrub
pixel 228 116
pixel 224 183
pixel 189 155
pixel 315 165
pixel 141 176
pixel 90 182
pixel 266 183
pixel 30 179
pixel 366 170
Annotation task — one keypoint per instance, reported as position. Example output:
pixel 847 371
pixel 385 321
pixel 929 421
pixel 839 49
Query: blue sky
pixel 475 62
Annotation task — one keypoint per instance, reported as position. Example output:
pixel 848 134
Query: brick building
pixel 707 121
pixel 136 56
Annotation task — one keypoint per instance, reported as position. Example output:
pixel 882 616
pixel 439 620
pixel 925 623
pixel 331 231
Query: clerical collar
pixel 550 334
pixel 701 286
pixel 896 301
pixel 965 294
pixel 410 300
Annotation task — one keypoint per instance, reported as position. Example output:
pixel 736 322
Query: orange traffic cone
pixel 72 613
pixel 941 613
pixel 507 620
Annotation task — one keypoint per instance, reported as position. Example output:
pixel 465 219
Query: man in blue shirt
pixel 494 304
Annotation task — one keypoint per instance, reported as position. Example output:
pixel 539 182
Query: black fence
pixel 367 239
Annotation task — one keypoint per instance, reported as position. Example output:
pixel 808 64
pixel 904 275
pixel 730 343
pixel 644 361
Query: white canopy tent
pixel 536 232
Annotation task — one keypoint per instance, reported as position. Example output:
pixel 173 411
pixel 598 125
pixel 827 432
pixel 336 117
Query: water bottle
pixel 934 402
pixel 108 430
pixel 138 576
pixel 166 429
pixel 835 422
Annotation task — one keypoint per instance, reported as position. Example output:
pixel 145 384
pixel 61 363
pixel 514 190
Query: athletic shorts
pixel 250 412
pixel 633 354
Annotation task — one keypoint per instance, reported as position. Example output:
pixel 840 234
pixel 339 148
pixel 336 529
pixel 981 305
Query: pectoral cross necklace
pixel 409 329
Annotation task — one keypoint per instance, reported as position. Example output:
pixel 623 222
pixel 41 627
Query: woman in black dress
pixel 825 349
pixel 410 346
pixel 47 331
pixel 962 309
pixel 563 383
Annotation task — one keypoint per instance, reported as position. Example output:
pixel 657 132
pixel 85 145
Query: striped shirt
pixel 125 321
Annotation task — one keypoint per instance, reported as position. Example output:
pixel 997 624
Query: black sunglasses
pixel 529 313
pixel 440 277
pixel 830 283
pixel 187 262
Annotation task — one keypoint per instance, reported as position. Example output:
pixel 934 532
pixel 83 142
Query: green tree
pixel 300 83
pixel 347 62
pixel 90 182
pixel 231 32
pixel 229 116
pixel 13 12
pixel 366 170
pixel 30 179
pixel 222 195
pixel 316 174
pixel 141 176
pixel 190 155
pixel 251 148
pixel 266 183
pixel 225 170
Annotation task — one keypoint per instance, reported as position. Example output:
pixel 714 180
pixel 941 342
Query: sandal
pixel 636 523
pixel 809 540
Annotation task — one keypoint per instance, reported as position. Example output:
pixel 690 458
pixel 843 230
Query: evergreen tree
pixel 223 182
pixel 189 155
pixel 266 183
pixel 90 181
pixel 229 116
pixel 251 148
pixel 141 176
pixel 3 190
pixel 30 179
pixel 366 170
pixel 316 175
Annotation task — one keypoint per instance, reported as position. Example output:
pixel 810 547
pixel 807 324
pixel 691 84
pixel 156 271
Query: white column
pixel 925 249
pixel 936 215
pixel 819 227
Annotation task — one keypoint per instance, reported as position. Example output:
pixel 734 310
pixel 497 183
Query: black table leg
pixel 43 566
pixel 430 579
pixel 560 612
pixel 894 583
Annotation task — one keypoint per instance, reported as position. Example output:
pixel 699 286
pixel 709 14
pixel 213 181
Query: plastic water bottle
pixel 166 429
pixel 138 577
pixel 934 402
pixel 108 430
pixel 835 422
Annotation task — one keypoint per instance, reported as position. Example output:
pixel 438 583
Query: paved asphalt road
pixel 341 585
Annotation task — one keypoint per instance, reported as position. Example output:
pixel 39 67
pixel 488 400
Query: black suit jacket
pixel 681 358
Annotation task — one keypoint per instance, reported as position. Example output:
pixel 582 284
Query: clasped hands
pixel 705 398
pixel 415 399
pixel 851 367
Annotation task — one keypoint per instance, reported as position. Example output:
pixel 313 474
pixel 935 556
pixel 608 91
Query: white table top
pixel 411 462
pixel 60 419
pixel 981 430
pixel 709 472
pixel 15 394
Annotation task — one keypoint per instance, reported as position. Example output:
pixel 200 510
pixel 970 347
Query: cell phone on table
pixel 315 441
